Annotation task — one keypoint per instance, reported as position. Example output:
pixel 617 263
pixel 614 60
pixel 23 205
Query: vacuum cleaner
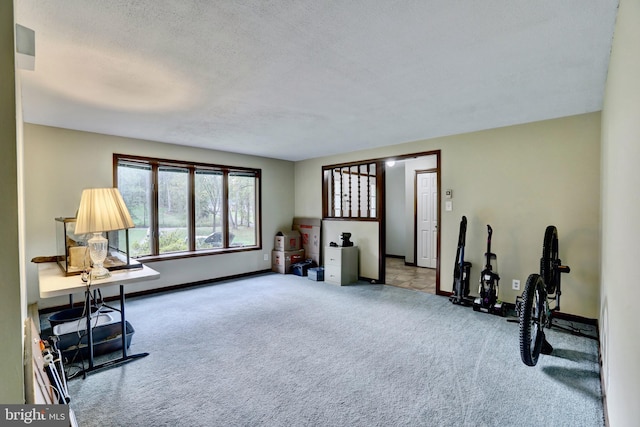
pixel 488 301
pixel 461 270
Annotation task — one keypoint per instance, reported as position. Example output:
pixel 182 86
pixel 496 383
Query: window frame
pixel 155 163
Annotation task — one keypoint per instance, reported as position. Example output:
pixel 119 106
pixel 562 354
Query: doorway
pixel 411 238
pixel 406 276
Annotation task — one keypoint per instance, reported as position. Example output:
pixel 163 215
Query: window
pixel 173 213
pixel 208 199
pixel 350 191
pixel 184 209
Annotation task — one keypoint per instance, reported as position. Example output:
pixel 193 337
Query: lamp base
pixel 100 273
pixel 98 246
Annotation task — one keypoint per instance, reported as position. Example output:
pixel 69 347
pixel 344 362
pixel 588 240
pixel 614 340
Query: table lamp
pixel 101 209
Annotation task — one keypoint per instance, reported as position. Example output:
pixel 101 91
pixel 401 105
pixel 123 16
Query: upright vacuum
pixel 488 301
pixel 461 270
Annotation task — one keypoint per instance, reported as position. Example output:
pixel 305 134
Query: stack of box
pixel 309 229
pixel 287 251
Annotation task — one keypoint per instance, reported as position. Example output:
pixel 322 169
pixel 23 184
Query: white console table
pixel 53 283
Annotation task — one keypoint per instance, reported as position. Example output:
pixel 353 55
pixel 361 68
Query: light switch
pixel 448 205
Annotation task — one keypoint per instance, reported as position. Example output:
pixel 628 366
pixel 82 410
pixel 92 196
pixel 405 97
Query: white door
pixel 427 219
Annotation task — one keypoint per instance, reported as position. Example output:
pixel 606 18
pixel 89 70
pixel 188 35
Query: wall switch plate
pixel 515 285
pixel 266 257
pixel 448 206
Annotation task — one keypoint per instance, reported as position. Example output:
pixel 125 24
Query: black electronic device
pixel 345 238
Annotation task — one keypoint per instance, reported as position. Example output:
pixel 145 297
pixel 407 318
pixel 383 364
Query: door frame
pixel 382 247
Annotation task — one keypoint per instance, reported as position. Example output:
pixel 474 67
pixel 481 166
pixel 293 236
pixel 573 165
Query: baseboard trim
pixel 574 318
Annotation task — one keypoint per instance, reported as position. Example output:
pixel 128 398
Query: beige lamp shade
pixel 102 209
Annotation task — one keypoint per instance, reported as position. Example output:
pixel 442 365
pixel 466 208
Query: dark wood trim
pixel 381 215
pixel 154 239
pixel 340 218
pixel 191 209
pixel 385 158
pixel 415 155
pixel 439 234
pixel 259 210
pixel 326 176
pixel 198 253
pixel 577 319
pixel 347 164
pixel 114 169
pixel 179 163
pixel 224 221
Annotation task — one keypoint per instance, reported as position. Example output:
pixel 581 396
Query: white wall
pixel 60 163
pixel 519 179
pixel 364 235
pixel 395 207
pixel 619 332
pixel 11 305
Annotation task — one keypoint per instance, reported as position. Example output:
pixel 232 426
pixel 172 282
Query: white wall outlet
pixel 515 284
pixel 266 257
pixel 448 206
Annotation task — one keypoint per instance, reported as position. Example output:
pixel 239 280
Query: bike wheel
pixel 531 320
pixel 549 259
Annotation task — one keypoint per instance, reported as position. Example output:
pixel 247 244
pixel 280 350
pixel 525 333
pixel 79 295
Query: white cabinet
pixel 341 265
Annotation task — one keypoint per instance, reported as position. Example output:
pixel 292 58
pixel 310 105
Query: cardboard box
pixel 309 229
pixel 281 260
pixel 287 241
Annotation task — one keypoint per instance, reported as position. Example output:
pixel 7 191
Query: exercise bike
pixel 533 308
pixel 488 301
pixel 461 270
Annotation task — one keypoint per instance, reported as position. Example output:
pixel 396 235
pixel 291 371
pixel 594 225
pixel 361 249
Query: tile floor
pixel 416 278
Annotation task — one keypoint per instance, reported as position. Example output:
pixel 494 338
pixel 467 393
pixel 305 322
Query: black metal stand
pixel 125 358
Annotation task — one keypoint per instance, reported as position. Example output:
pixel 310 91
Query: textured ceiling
pixel 298 79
